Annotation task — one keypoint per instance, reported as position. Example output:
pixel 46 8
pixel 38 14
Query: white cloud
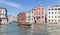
pixel 10 3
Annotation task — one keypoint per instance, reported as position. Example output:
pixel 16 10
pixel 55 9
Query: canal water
pixel 13 29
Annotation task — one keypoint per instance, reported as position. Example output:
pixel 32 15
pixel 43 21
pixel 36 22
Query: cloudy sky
pixel 16 6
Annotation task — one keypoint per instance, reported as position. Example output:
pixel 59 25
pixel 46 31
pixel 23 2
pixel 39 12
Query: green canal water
pixel 13 29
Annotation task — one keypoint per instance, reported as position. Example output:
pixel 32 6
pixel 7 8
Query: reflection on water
pixel 13 29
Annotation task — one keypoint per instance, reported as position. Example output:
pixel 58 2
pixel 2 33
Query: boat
pixel 24 24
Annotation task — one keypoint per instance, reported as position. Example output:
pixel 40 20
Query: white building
pixel 53 16
pixel 29 17
pixel 3 15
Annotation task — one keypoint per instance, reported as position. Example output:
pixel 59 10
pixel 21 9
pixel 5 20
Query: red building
pixel 22 17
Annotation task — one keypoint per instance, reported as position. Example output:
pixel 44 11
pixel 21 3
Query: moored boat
pixel 24 24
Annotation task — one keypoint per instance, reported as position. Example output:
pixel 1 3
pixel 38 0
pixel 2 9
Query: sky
pixel 15 6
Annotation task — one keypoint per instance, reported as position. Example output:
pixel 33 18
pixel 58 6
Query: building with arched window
pixel 3 15
pixel 53 16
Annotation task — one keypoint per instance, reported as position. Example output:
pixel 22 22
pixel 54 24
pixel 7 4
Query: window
pixel 52 12
pixel 58 12
pixel 42 8
pixel 42 16
pixel 48 9
pixel 29 16
pixel 58 20
pixel 52 20
pixel 4 12
pixel 34 18
pixel 22 19
pixel 55 16
pixel 49 16
pixel 58 8
pixel 28 19
pixel 32 11
pixel 38 18
pixel 49 12
pixel 52 9
pixel 58 16
pixel 37 8
pixel 49 20
pixel 55 8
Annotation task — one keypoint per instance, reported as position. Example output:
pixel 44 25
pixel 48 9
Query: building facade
pixel 39 13
pixel 29 17
pixel 53 14
pixel 26 17
pixel 3 15
pixel 22 17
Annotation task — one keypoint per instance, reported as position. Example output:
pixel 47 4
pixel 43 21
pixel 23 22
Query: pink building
pixel 39 13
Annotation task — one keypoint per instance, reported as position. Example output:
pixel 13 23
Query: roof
pixel 2 7
pixel 55 6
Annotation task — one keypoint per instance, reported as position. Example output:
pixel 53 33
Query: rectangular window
pixel 58 8
pixel 55 16
pixel 58 20
pixel 42 16
pixel 39 8
pixel 38 17
pixel 42 8
pixel 55 8
pixel 52 9
pixel 58 16
pixel 49 20
pixel 49 16
pixel 58 12
pixel 48 9
pixel 52 20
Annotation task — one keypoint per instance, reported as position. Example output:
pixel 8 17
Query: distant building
pixel 29 17
pixel 3 15
pixel 39 13
pixel 53 16
pixel 22 17
pixel 25 17
pixel 12 18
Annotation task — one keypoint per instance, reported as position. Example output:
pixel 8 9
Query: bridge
pixel 12 19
